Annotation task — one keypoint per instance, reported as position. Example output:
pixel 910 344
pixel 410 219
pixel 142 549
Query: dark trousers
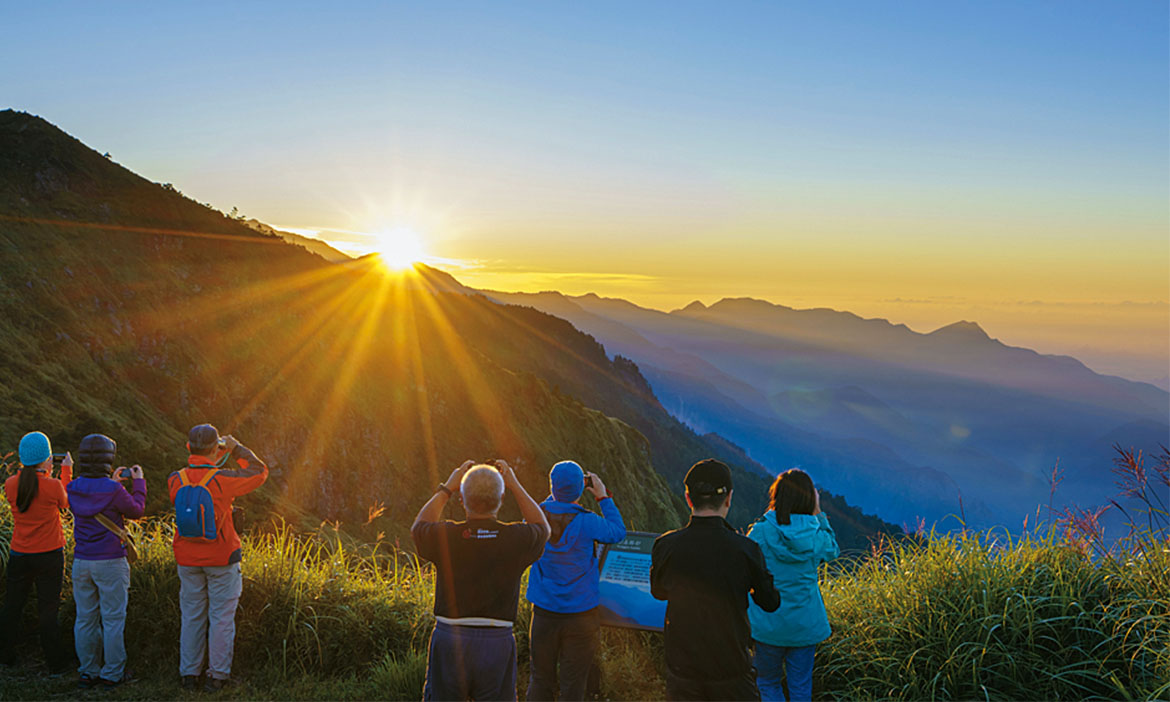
pixel 45 571
pixel 735 689
pixel 567 641
pixel 471 663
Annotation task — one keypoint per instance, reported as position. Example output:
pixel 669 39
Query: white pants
pixel 100 591
pixel 208 595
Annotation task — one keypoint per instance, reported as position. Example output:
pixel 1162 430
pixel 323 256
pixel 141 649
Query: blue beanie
pixel 35 448
pixel 566 481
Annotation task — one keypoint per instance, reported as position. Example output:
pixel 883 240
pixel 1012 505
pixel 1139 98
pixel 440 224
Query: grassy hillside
pixel 129 309
pixel 955 617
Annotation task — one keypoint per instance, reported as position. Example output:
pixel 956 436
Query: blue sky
pixel 834 154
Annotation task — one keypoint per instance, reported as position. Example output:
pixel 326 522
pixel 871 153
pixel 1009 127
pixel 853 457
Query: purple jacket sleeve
pixel 131 505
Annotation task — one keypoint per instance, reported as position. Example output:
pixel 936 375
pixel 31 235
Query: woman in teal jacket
pixel 795 537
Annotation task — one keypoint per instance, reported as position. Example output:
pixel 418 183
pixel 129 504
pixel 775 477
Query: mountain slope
pixel 316 246
pixel 143 312
pixel 131 310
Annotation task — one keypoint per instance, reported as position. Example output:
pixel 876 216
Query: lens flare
pixel 399 248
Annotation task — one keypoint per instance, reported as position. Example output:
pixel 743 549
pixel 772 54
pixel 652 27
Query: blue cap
pixel 566 481
pixel 35 448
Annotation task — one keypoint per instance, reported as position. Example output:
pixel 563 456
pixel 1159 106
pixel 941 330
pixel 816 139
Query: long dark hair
pixel 26 487
pixel 792 493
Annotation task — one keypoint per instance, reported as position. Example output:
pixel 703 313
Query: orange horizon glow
pixel 1017 292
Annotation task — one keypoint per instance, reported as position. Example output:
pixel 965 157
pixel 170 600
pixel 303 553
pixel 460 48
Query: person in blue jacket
pixel 795 537
pixel 563 584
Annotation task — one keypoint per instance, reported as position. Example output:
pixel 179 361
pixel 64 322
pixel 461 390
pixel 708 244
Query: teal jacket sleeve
pixel 826 548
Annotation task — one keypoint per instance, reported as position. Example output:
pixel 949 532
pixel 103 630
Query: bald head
pixel 482 489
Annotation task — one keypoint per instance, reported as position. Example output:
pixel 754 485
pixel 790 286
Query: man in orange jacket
pixel 210 580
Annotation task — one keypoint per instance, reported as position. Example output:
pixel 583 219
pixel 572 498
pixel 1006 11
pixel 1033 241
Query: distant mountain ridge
pixel 316 246
pixel 865 401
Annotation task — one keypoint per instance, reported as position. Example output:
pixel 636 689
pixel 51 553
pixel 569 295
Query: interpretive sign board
pixel 625 584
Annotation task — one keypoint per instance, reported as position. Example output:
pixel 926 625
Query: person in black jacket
pixel 705 571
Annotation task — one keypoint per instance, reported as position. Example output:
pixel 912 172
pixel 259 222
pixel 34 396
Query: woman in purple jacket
pixel 101 575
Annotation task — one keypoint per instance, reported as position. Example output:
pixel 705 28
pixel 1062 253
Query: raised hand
pixel 136 471
pixel 597 487
pixel 506 471
pixel 456 476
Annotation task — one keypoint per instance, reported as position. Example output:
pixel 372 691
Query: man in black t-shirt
pixel 478 565
pixel 705 571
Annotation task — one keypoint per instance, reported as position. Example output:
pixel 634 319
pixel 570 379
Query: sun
pixel 399 248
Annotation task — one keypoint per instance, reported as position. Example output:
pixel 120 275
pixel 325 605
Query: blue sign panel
pixel 625 584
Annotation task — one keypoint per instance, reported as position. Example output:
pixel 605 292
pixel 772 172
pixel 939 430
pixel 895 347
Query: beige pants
pixel 208 596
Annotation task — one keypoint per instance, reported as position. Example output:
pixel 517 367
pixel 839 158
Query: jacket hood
pixel 566 481
pixel 88 496
pixel 794 542
pixel 554 506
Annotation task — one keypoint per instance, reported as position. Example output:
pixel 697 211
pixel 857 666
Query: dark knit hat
pixel 708 478
pixel 95 455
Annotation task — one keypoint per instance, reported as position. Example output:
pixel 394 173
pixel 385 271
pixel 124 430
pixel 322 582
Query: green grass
pixel 956 618
pixel 946 617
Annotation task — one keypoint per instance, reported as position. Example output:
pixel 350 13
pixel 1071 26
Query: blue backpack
pixel 194 508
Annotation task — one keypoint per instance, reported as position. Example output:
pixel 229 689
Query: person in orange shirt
pixel 37 556
pixel 207 550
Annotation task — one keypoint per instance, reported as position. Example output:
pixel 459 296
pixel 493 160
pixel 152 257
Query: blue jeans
pixel 772 662
pixel 471 663
pixel 100 591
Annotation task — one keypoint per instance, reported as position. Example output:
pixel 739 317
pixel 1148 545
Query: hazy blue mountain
pixel 949 411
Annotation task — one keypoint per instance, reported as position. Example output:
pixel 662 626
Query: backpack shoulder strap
pixel 557 524
pixel 109 524
pixel 183 481
pixel 207 478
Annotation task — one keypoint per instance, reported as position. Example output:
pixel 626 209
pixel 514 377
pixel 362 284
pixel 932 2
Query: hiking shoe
pixel 87 682
pixel 127 677
pixel 217 684
pixel 190 682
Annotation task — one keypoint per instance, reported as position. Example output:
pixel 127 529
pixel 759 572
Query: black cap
pixel 707 478
pixel 203 437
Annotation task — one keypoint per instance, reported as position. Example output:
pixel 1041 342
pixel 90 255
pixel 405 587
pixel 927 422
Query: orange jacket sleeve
pixel 251 474
pixel 63 497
